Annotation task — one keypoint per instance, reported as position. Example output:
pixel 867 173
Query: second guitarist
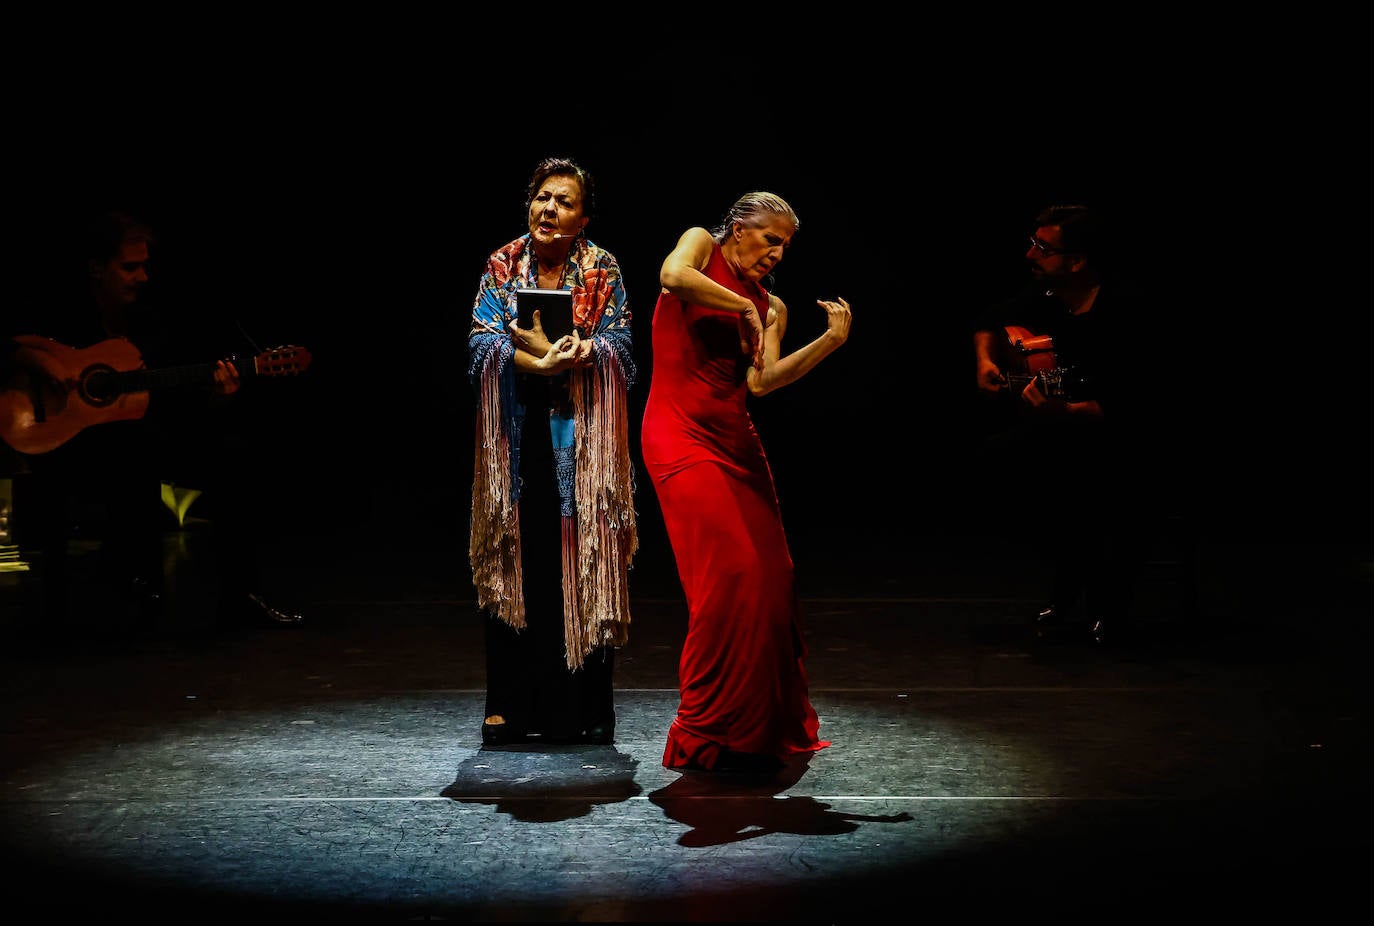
pixel 101 489
pixel 1072 456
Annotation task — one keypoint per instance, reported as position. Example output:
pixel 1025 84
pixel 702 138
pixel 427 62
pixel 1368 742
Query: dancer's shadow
pixel 722 808
pixel 545 784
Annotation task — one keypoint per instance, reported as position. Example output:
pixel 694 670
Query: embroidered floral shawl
pixel 591 448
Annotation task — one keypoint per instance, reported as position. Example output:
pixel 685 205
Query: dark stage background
pixel 332 202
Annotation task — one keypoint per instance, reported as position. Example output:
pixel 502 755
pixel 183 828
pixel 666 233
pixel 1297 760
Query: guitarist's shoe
pixel 266 614
pixel 1048 622
pixel 1099 631
pixel 1054 623
pixel 250 611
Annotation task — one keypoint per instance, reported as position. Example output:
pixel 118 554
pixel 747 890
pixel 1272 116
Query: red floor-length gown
pixel 741 674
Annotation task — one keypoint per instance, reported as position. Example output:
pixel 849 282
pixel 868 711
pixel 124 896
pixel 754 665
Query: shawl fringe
pixel 596 605
pixel 599 540
pixel 494 543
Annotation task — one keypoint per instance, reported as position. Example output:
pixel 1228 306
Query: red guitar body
pixel 1031 356
pixel 1031 353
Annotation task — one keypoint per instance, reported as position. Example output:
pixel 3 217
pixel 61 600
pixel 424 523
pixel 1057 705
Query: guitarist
pixel 1065 450
pixel 104 483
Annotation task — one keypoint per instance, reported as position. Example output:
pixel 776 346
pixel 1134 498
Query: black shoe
pixel 1049 623
pixel 600 734
pixel 1113 631
pixel 501 734
pixel 1066 624
pixel 252 610
pixel 1056 614
pixel 273 615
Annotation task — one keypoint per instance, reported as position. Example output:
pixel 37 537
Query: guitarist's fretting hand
pixel 227 380
pixel 1035 397
pixel 1044 404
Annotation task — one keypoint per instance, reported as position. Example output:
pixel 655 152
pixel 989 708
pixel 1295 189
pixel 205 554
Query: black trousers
pixel 1088 509
pixel 92 511
pixel 528 680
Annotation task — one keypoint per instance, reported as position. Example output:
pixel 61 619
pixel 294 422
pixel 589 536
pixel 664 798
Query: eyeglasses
pixel 1044 249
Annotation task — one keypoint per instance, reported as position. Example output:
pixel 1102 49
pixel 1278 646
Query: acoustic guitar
pixel 102 383
pixel 1029 356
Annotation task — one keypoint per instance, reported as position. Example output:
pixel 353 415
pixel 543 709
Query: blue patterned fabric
pixel 600 311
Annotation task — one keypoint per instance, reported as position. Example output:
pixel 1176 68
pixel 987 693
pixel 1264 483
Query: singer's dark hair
pixel 564 167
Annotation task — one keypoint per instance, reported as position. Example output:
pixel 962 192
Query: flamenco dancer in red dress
pixel 717 334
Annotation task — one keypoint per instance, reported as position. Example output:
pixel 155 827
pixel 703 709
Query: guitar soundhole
pixel 98 387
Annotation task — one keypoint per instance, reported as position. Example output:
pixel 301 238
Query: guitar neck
pixel 1052 382
pixel 199 374
pixel 110 383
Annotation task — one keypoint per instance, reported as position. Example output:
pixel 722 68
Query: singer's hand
pixel 584 349
pixel 560 356
pixel 532 340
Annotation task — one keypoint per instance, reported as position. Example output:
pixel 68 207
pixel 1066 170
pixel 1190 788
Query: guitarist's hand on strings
pixel 1035 397
pixel 227 379
pixel 991 380
pixel 41 367
pixel 1042 403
